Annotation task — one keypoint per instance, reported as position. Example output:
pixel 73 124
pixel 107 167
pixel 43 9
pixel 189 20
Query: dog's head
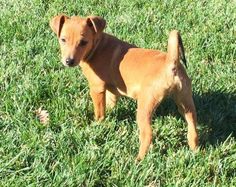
pixel 77 36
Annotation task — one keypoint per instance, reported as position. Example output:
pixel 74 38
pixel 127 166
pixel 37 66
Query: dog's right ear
pixel 57 22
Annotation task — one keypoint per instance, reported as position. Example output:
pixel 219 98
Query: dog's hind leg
pixel 183 99
pixel 146 105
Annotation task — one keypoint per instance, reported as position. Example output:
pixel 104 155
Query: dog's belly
pixel 131 92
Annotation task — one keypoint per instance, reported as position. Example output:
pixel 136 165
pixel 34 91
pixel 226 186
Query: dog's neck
pixel 90 54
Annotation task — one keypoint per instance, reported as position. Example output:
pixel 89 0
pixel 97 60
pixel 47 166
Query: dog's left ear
pixel 97 23
pixel 57 22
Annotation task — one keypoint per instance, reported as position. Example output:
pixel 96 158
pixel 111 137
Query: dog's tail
pixel 175 51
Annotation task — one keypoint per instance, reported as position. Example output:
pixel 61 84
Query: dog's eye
pixel 83 43
pixel 63 40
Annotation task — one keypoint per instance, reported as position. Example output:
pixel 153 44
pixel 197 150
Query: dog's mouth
pixel 71 66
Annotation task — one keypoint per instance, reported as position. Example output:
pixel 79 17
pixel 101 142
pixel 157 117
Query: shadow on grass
pixel 216 117
pixel 216 113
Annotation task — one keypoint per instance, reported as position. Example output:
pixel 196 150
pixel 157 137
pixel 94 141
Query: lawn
pixel 73 149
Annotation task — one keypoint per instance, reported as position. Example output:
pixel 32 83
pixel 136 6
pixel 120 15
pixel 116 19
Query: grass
pixel 73 149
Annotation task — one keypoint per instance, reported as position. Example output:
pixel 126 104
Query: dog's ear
pixel 97 23
pixel 57 22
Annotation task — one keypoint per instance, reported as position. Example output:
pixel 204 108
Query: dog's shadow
pixel 216 113
pixel 216 116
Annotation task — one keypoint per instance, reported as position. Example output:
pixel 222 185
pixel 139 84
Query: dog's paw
pixel 99 118
pixel 139 158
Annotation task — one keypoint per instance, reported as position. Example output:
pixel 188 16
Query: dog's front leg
pixel 111 99
pixel 98 98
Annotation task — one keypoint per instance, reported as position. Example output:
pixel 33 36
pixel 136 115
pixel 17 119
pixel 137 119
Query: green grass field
pixel 73 149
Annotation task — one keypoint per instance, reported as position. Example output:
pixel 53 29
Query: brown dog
pixel 114 68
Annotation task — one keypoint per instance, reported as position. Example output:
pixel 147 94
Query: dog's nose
pixel 70 61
